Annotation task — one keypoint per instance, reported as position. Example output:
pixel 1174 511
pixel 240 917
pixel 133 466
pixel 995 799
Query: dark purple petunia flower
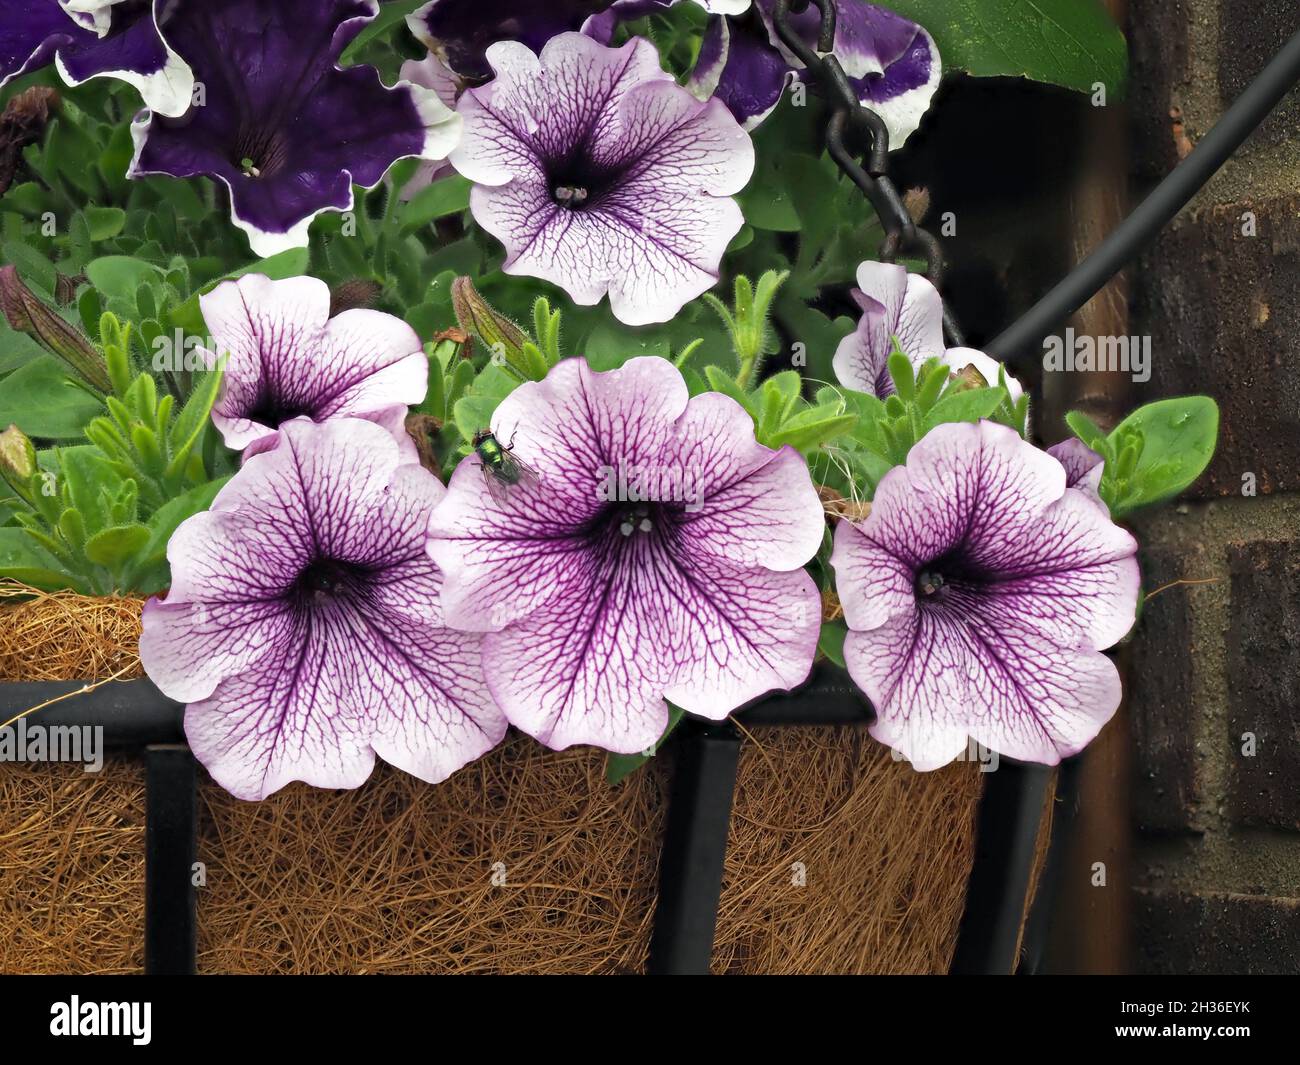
pixel 892 63
pixel 284 127
pixel 286 358
pixel 657 555
pixel 600 174
pixel 303 627
pixel 114 38
pixel 979 594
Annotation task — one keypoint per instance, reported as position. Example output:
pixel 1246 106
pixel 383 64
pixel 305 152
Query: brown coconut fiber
pixel 840 859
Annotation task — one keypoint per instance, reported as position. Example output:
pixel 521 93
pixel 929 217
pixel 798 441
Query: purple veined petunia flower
pixel 895 304
pixel 1083 467
pixel 286 358
pixel 657 556
pixel 303 627
pixel 431 73
pixel 118 40
pixel 600 174
pixel 280 124
pixel 907 308
pixel 979 594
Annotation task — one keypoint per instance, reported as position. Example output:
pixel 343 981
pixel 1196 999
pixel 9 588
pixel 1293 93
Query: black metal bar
pixel 695 848
pixel 828 698
pixel 1158 209
pixel 1038 925
pixel 1006 841
pixel 132 713
pixel 170 908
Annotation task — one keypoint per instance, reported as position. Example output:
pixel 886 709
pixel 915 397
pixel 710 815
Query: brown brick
pixel 1214 934
pixel 1159 46
pixel 1161 698
pixel 1263 667
pixel 1223 312
pixel 1251 32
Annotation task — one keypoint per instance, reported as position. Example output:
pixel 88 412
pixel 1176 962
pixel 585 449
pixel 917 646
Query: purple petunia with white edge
pixel 657 556
pixel 280 124
pixel 111 38
pixel 903 309
pixel 284 357
pixel 600 174
pixel 979 595
pixel 303 625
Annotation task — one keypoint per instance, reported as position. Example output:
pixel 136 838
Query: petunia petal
pixel 748 504
pixel 896 305
pixel 1084 468
pixel 281 125
pixel 285 357
pixel 656 225
pixel 741 70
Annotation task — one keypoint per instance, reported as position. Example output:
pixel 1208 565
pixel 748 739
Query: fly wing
pixel 497 489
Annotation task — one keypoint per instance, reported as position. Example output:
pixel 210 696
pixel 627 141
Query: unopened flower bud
pixel 17 460
pixel 503 338
pixel 27 314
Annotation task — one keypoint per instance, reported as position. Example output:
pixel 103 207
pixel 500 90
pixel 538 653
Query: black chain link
pixel 853 124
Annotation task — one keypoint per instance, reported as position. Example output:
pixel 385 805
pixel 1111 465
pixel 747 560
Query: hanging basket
pixel 839 859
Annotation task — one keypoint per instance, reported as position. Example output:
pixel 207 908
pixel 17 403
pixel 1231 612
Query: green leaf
pixel 193 417
pixel 1074 43
pixel 1088 431
pixel 446 196
pixel 116 546
pixel 104 223
pixel 39 399
pixel 120 276
pixel 969 405
pixel 721 381
pixel 21 559
pixel 390 15
pixel 809 429
pixel 1177 440
pixel 831 641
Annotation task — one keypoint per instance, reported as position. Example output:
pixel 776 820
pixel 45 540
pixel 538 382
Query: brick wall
pixel 1216 666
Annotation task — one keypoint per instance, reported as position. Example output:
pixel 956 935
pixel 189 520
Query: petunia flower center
pixel 260 153
pixel 326 580
pixel 266 412
pixel 638 519
pixel 930 584
pixel 578 182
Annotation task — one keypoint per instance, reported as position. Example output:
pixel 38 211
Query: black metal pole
pixel 1158 209
pixel 695 847
pixel 132 713
pixel 170 910
pixel 1006 841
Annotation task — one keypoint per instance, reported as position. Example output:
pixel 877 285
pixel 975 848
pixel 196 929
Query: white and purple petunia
pixel 284 358
pixel 891 62
pixel 979 594
pixel 600 174
pixel 658 555
pixel 284 127
pixel 303 625
pixel 110 38
pixel 1084 468
pixel 902 311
